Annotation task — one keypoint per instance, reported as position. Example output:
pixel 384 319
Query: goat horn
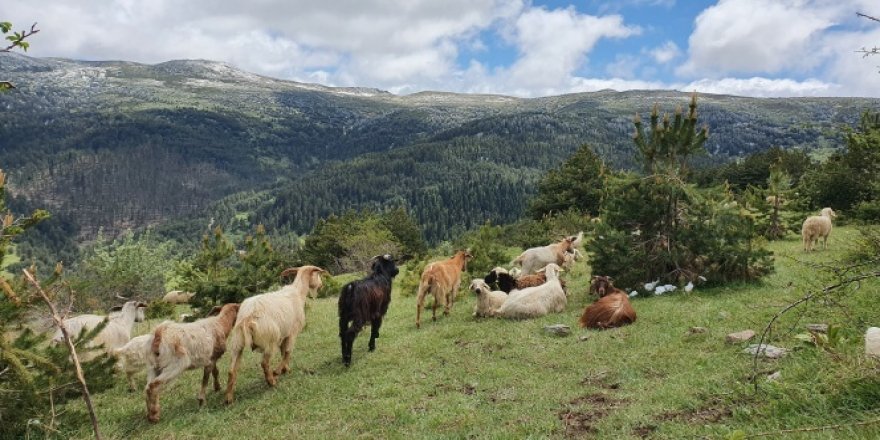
pixel 289 271
pixel 121 297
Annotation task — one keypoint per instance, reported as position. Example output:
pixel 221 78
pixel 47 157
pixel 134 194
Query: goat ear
pixel 215 311
pixel 142 304
pixel 115 308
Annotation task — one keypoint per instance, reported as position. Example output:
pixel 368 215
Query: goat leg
pixel 374 332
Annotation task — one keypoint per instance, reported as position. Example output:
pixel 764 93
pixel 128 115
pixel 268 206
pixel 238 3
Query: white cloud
pixel 757 36
pixel 554 43
pixel 762 87
pixel 665 53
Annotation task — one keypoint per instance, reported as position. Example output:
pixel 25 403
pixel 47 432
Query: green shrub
pixel 158 309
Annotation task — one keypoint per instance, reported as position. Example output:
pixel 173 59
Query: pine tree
pixel 658 225
pixel 574 185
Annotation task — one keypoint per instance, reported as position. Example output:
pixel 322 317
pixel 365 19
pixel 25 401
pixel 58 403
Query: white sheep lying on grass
pixel 536 301
pixel 488 301
pixel 816 227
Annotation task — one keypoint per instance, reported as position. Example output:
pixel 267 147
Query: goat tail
pixel 241 335
pixel 156 344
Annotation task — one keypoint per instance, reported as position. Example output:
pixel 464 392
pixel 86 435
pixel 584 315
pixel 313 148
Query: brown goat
pixel 442 278
pixel 612 309
pixel 179 347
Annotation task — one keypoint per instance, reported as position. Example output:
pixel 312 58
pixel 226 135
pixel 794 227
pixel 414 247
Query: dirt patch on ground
pixel 581 414
pixel 644 431
pixel 711 412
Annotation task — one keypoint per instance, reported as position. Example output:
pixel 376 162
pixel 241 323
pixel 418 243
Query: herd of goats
pixel 271 321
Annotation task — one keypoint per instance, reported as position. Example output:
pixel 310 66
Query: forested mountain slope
pixel 119 145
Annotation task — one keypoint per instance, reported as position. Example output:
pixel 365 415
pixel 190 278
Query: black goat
pixel 363 302
pixel 499 279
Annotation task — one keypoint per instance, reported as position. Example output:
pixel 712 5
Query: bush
pixel 485 245
pixel 158 309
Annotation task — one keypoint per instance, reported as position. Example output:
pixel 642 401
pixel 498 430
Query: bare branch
pixel 867 16
pixel 79 372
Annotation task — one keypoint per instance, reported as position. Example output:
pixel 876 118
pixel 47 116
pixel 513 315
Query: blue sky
pixel 514 47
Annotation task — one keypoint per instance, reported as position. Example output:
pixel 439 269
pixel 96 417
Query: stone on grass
pixel 558 329
pixel 775 376
pixel 697 330
pixel 818 328
pixel 872 342
pixel 766 350
pixel 742 336
pixel 584 338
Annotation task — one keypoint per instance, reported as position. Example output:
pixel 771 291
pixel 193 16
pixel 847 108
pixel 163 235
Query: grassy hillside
pixel 461 377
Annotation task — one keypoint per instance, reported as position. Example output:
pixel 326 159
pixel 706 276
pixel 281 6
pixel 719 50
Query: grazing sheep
pixel 488 301
pixel 365 301
pixel 536 301
pixel 816 227
pixel 115 334
pixel 272 321
pixel 140 316
pixel 442 279
pixel 612 309
pixel 176 347
pixel 178 297
pixel 570 258
pixel 132 357
pixel 535 258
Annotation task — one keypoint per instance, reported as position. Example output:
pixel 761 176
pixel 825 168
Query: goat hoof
pixel 153 418
pixel 229 400
pixel 201 402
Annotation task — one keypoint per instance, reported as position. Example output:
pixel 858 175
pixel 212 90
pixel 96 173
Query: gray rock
pixel 584 338
pixel 558 329
pixel 818 328
pixel 775 376
pixel 742 336
pixel 768 351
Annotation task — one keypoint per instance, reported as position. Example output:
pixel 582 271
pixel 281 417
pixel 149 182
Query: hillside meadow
pixel 461 377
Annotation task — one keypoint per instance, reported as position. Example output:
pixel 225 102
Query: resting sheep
pixel 178 297
pixel 536 301
pixel 365 302
pixel 488 301
pixel 816 227
pixel 535 258
pixel 176 347
pixel 115 334
pixel 442 279
pixel 612 309
pixel 272 321
pixel 500 279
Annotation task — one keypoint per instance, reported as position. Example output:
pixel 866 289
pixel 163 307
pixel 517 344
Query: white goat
pixel 816 227
pixel 272 321
pixel 115 334
pixel 535 258
pixel 176 347
pixel 536 301
pixel 132 357
pixel 488 301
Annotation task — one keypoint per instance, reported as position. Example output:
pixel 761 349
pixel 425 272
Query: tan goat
pixel 442 279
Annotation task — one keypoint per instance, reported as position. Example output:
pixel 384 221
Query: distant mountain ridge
pixel 116 144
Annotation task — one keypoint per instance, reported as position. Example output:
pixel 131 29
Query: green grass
pixel 460 377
